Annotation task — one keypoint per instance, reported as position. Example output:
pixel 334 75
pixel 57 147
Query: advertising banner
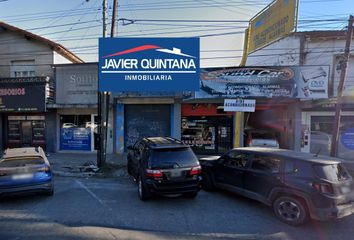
pixel 148 64
pixel 75 139
pixel 22 97
pixel 304 82
pixel 274 22
pixel 76 83
pixel 239 105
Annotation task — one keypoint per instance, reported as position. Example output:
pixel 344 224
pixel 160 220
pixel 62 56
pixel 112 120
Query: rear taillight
pixel 45 169
pixel 249 142
pixel 195 170
pixel 153 173
pixel 323 188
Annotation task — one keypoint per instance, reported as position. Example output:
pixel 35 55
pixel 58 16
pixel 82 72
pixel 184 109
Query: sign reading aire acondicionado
pixel 239 105
pixel 148 64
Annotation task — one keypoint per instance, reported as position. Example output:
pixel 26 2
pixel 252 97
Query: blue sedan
pixel 25 170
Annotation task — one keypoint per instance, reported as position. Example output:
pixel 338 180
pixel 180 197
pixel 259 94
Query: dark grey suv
pixel 163 165
pixel 297 185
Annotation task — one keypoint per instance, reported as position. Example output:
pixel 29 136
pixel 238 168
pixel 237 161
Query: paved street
pixel 110 209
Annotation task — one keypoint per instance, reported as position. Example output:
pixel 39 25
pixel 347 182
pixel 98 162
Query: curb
pixel 119 174
pixel 69 174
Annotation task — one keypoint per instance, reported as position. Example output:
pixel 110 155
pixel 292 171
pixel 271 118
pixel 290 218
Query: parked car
pixel 25 170
pixel 260 138
pixel 90 125
pixel 69 125
pixel 320 143
pixel 163 166
pixel 297 185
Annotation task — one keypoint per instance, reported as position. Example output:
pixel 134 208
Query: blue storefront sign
pixel 75 139
pixel 347 138
pixel 148 64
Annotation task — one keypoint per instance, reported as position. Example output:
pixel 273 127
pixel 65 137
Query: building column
pixel 176 121
pixel 296 126
pixel 119 128
pixel 2 132
pixel 238 128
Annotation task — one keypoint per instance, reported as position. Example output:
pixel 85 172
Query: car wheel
pixel 207 182
pixel 191 194
pixel 290 210
pixel 50 192
pixel 129 168
pixel 143 190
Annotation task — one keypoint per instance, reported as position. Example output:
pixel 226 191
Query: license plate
pixel 22 176
pixel 346 189
pixel 176 173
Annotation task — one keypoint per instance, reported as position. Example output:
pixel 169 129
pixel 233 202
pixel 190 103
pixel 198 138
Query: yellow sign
pixel 275 21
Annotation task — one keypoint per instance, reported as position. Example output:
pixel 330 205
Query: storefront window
pixel 38 132
pixel 76 132
pixel 25 131
pixel 321 136
pixel 207 134
pixel 14 133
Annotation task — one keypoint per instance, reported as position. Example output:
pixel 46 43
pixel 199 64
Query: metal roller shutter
pixel 146 121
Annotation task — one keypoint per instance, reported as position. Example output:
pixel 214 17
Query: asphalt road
pixel 110 209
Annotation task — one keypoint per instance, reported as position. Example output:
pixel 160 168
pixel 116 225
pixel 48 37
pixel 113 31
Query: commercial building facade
pixel 314 118
pixel 27 87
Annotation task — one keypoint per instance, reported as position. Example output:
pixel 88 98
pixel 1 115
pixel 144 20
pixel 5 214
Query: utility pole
pixel 101 151
pixel 104 17
pixel 113 26
pixel 106 95
pixel 343 75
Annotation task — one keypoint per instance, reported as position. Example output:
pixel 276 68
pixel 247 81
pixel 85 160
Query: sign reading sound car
pixel 148 64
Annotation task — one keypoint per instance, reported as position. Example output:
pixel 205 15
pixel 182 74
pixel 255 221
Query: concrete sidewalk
pixel 85 165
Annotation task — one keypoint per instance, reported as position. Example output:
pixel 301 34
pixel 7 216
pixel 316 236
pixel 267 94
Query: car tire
pixel 143 191
pixel 191 195
pixel 291 210
pixel 129 168
pixel 207 182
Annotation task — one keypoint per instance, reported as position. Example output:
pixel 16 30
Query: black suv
pixel 297 185
pixel 164 165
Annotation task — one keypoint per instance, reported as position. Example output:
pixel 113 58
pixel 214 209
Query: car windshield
pixel 166 157
pixel 14 162
pixel 332 172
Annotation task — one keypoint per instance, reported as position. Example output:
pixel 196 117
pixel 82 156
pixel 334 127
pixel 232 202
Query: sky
pixel 220 24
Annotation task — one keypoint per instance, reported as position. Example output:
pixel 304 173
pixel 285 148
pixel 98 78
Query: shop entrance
pixel 25 131
pixel 207 135
pixel 146 121
pixel 26 128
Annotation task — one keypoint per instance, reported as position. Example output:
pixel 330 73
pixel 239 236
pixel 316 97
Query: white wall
pixel 329 52
pixel 19 48
pixel 284 52
pixel 59 59
pixel 319 51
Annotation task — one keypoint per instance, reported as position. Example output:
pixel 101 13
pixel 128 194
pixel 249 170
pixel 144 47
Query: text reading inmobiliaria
pixel 149 64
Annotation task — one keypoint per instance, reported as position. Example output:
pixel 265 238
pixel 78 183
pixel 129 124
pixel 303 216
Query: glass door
pixel 26 127
pixel 224 139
